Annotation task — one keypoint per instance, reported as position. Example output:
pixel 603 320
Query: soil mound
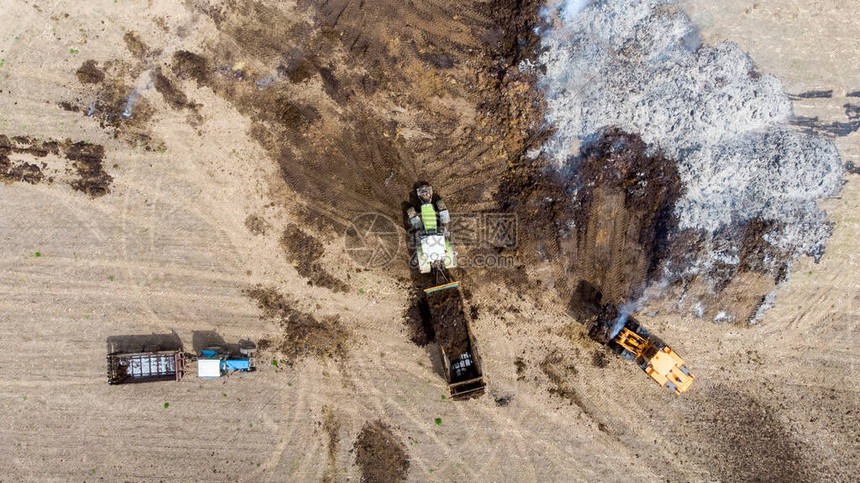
pixel 88 160
pixel 320 89
pixel 623 215
pixel 605 225
pixel 380 454
pixel 417 316
pixel 89 73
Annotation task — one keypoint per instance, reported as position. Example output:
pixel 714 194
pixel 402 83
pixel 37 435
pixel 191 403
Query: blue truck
pixel 215 362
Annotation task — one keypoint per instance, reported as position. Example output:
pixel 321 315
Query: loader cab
pixel 425 193
pixel 660 362
pixel 669 370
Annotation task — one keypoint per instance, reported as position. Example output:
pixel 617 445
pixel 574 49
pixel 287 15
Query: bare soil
pixel 753 443
pixel 331 426
pixel 559 374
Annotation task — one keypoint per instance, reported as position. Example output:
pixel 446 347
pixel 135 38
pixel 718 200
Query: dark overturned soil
pixel 86 160
pixel 134 44
pixel 418 323
pixel 337 149
pixel 304 253
pixel 745 440
pixel 89 73
pixel 719 288
pixel 303 334
pixel 604 223
pixel 600 358
pixel 624 214
pixel 257 225
pixel 109 95
pixel 21 171
pixel 190 66
pixel 352 118
pixel 520 364
pixel 174 97
pixel 559 372
pixel 380 454
pixel 449 322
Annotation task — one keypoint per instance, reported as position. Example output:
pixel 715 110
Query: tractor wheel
pixel 414 219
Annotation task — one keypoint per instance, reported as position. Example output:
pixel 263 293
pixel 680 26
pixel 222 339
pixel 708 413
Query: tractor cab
pixel 214 362
pixel 430 228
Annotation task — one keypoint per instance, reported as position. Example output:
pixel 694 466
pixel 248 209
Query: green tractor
pixel 433 248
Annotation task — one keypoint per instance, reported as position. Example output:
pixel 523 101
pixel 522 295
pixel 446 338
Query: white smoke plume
pixel 618 324
pixel 142 86
pixel 570 9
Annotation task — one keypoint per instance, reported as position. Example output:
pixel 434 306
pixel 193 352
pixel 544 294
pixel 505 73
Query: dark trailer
pixel 145 367
pixel 451 323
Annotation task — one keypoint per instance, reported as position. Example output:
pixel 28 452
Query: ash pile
pixel 749 182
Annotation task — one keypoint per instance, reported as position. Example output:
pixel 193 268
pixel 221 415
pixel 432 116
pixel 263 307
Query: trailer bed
pixel 449 321
pixel 145 367
pixel 459 349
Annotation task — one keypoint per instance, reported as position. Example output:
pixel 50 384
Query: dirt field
pixel 188 171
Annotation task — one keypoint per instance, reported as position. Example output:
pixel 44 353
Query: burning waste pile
pixel 748 182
